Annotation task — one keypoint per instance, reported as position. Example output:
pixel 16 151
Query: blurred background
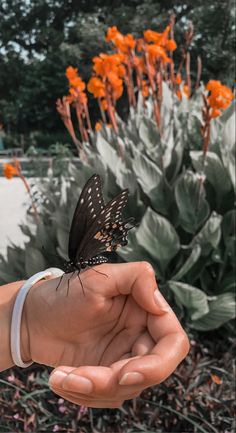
pixel 39 39
pixel 167 132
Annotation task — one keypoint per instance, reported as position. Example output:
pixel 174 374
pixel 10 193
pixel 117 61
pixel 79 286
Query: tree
pixel 38 39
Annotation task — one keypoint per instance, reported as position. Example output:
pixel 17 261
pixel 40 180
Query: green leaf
pixel 191 260
pixel 161 197
pixel 148 132
pixel 221 310
pixel 149 176
pixel 134 252
pixel 228 284
pixel 194 299
pixel 209 236
pixel 62 237
pixel 229 235
pixel 227 148
pixel 192 205
pixel 214 170
pixel 229 225
pixel 34 261
pixel 109 155
pixel 158 237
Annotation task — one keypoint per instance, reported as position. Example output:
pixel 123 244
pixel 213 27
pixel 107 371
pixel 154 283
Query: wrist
pixel 7 300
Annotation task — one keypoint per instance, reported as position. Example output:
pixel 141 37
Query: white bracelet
pixel 17 313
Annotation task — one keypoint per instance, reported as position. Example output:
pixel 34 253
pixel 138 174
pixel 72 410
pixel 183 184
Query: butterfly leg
pixel 68 282
pixel 81 283
pixel 60 281
pixel 98 272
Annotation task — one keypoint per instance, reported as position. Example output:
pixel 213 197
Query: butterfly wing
pixel 108 231
pixel 89 205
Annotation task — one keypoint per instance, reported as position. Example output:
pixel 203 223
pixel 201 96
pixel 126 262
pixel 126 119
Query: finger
pixel 136 278
pixel 73 398
pixel 83 399
pixel 143 345
pixel 156 366
pixel 92 382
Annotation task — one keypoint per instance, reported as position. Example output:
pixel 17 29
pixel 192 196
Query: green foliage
pixel 183 207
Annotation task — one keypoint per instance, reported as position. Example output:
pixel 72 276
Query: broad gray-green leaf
pixel 161 197
pixel 190 261
pixel 191 202
pixel 158 237
pixel 134 252
pixel 62 237
pixel 34 261
pixel 228 284
pixel 148 132
pixel 209 236
pixel 127 179
pixel 148 174
pixel 221 310
pixel 213 169
pixel 194 299
pixel 229 234
pixel 109 155
pixel 229 225
pixel 228 148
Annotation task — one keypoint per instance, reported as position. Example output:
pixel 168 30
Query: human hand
pixel 109 344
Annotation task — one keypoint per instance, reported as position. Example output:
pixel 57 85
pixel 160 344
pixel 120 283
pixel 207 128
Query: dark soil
pixel 198 397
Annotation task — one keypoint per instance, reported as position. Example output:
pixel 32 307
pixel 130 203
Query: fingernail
pixel 82 384
pixel 161 302
pixel 56 378
pixel 133 378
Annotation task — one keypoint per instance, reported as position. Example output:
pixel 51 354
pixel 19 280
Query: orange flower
pixel 151 36
pixel 97 87
pixel 71 72
pixel 10 170
pixel 104 104
pixel 145 89
pixel 186 91
pixel 113 34
pixel 179 94
pixel 77 83
pixel 98 126
pixel 157 38
pixel 157 53
pixel 178 79
pixel 170 45
pixel 124 43
pixel 106 63
pixel 220 97
pixel 139 63
pixel 213 85
pixel 139 44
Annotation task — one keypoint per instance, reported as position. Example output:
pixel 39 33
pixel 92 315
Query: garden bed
pixel 198 397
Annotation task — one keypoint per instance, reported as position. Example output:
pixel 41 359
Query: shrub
pixel 174 153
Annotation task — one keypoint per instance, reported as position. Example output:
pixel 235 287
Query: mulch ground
pixel 198 397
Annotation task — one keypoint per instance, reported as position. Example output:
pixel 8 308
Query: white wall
pixel 13 206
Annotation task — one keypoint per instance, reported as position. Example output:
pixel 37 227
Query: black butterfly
pixel 96 227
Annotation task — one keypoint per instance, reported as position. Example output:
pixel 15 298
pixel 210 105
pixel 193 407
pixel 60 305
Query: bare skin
pixel 108 345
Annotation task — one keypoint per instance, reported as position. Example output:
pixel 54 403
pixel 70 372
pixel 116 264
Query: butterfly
pixel 96 228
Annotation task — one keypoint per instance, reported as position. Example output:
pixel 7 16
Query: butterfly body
pixel 96 227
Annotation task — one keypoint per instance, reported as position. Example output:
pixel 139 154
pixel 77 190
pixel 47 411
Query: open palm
pixel 117 326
